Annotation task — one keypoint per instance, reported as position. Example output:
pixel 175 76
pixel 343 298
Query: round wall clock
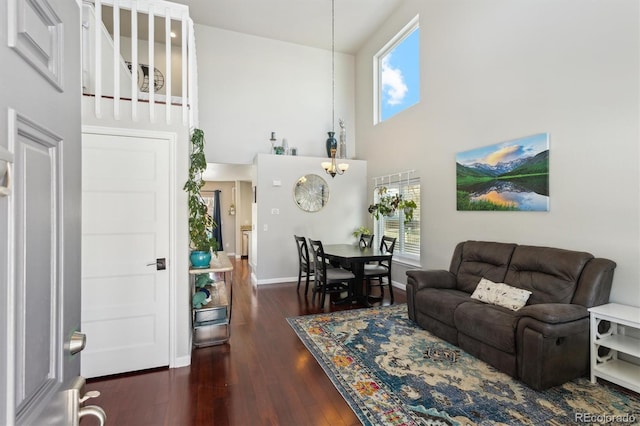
pixel 311 193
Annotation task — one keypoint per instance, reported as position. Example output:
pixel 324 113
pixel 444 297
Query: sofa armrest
pixel 552 341
pixel 554 313
pixel 417 279
pixel 432 278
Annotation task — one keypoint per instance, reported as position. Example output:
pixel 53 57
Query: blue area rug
pixel 391 372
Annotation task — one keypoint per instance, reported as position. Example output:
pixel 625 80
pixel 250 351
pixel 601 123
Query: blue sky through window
pixel 400 76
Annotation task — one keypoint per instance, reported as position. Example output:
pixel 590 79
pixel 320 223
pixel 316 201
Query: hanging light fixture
pixel 331 167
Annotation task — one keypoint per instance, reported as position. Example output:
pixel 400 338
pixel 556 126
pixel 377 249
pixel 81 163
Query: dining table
pixel 355 257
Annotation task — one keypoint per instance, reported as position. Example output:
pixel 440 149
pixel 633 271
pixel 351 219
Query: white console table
pixel 605 363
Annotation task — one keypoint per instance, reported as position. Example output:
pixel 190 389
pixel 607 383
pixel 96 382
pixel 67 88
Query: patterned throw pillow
pixel 500 294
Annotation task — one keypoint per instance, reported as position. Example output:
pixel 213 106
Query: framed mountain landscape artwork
pixel 507 176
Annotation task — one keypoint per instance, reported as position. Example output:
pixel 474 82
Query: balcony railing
pixel 141 52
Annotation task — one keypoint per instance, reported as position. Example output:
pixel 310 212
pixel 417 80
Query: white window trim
pixel 414 24
pixel 409 259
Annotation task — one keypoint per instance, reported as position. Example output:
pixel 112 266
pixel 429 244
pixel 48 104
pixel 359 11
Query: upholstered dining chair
pixel 328 279
pixel 382 269
pixel 305 265
pixel 365 240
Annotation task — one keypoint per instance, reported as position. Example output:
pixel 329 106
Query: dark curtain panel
pixel 216 217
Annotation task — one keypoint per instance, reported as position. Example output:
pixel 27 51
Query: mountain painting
pixel 508 176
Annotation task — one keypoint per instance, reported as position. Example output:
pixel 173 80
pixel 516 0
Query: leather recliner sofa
pixel 546 342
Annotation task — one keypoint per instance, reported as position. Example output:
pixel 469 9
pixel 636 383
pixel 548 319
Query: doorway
pixel 126 250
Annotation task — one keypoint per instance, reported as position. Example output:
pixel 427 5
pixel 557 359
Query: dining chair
pixel 305 265
pixel 381 269
pixel 365 240
pixel 328 279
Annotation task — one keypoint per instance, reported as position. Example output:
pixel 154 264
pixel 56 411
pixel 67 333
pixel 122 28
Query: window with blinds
pixel 407 234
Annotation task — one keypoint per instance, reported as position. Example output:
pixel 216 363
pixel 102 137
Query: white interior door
pixel 125 229
pixel 39 211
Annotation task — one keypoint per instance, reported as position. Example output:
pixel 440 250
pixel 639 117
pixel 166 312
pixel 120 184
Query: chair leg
pixel 306 287
pixel 324 294
pixel 299 279
pixel 390 289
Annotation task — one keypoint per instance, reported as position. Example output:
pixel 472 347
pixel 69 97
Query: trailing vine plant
pixel 388 204
pixel 201 224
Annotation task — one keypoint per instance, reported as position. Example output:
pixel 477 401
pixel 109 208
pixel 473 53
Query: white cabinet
pixel 609 339
pixel 212 321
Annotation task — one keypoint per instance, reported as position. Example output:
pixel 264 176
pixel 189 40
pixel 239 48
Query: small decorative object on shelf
pixel 332 144
pixel 285 146
pixel 342 149
pixel 273 142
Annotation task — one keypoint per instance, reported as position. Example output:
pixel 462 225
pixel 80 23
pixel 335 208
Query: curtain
pixel 217 232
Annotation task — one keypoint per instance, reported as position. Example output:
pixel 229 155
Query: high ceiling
pixel 305 22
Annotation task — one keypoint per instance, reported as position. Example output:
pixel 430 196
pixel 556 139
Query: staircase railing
pixel 107 26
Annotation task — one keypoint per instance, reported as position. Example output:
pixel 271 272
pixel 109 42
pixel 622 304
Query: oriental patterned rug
pixel 392 372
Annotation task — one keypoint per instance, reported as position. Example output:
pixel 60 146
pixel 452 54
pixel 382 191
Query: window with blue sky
pixel 398 72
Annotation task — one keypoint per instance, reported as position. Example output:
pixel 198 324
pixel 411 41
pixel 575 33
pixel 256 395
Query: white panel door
pixel 125 229
pixel 39 211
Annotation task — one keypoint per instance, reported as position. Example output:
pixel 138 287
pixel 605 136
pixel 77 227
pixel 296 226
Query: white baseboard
pixel 182 361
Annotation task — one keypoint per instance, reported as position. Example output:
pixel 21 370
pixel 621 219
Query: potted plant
pixel 201 224
pixel 388 204
pixel 363 230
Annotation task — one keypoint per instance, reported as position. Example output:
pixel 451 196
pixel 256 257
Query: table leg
pixel 358 295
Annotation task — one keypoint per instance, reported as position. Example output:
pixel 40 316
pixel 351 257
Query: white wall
pixel 276 175
pixel 496 70
pixel 250 86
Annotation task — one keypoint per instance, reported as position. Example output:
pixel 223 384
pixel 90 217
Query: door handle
pixel 160 264
pixel 6 160
pixel 77 342
pixel 93 410
pixel 74 406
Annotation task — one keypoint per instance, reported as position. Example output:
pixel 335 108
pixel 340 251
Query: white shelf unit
pixel 211 323
pixel 607 364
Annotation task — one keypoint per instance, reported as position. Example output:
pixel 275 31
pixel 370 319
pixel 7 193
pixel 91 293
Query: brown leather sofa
pixel 546 342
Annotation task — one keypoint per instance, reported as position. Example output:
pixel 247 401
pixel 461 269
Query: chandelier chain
pixel 333 67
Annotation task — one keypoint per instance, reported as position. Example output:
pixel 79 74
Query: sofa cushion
pixel 500 294
pixel 440 303
pixel 493 325
pixel 550 274
pixel 474 260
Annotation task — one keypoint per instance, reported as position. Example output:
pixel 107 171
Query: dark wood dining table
pixel 356 257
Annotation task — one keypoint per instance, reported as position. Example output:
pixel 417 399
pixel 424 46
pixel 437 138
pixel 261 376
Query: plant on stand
pixel 201 224
pixel 388 204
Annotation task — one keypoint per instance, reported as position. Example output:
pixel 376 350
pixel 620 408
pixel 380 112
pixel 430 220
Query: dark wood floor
pixel 263 376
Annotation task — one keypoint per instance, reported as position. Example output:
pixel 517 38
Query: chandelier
pixel 332 168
